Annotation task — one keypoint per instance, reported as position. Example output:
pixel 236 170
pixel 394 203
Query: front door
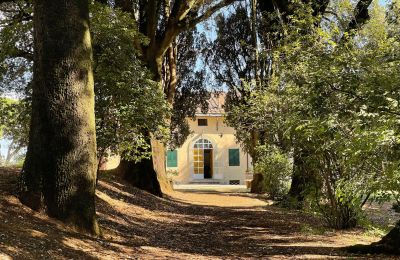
pixel 207 163
pixel 202 159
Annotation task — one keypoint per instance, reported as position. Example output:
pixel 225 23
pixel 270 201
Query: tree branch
pixel 180 21
pixel 207 14
pixel 360 15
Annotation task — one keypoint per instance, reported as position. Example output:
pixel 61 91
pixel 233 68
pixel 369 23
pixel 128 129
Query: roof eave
pixel 210 114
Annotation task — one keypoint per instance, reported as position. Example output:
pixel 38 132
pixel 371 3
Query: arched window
pixel 203 144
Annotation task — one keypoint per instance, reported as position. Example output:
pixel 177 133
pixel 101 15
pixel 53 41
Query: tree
pixel 391 242
pixel 127 102
pixel 191 91
pixel 336 99
pixel 275 17
pixel 161 21
pixel 60 167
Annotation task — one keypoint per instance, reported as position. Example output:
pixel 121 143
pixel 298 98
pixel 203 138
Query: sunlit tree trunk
pixel 59 173
pixel 149 173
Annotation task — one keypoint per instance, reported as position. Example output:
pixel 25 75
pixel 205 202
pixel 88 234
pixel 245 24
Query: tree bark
pixel 149 174
pixel 304 180
pixel 255 42
pixel 257 184
pixel 59 173
pixel 389 243
pixel 141 175
pixel 170 86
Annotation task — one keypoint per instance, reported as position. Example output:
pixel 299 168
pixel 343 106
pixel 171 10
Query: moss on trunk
pixel 59 173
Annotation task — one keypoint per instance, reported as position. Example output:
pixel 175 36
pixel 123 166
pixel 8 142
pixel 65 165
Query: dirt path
pixel 185 225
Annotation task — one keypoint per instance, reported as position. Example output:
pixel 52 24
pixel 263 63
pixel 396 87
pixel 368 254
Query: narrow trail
pixel 184 225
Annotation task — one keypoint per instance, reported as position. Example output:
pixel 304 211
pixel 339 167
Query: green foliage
pixel 16 41
pixel 128 103
pixel 335 96
pixel 14 122
pixel 276 169
pixel 313 230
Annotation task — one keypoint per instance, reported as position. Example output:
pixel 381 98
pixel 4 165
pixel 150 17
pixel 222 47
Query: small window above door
pixel 202 122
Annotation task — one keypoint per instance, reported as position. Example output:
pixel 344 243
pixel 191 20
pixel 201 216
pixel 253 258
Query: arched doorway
pixel 203 158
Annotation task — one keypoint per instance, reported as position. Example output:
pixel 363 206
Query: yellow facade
pixel 204 157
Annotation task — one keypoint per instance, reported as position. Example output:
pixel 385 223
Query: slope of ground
pixel 138 225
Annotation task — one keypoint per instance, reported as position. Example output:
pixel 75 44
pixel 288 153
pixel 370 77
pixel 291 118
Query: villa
pixel 211 153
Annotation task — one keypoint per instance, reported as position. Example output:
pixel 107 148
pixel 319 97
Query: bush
pixel 275 168
pixel 342 214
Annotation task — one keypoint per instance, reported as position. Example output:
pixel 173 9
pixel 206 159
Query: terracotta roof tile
pixel 215 104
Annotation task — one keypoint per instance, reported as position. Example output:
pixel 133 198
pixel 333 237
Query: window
pixel 172 158
pixel 202 122
pixel 234 159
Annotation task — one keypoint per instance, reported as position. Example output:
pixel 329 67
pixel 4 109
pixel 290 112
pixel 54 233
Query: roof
pixel 215 105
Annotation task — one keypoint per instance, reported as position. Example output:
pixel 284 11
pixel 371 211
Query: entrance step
pixel 202 187
pixel 205 182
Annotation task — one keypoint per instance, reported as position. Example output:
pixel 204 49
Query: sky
pixel 3 147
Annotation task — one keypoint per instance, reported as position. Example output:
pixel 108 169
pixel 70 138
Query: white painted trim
pixel 211 115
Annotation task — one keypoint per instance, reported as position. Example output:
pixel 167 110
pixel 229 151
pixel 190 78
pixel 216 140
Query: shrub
pixel 275 168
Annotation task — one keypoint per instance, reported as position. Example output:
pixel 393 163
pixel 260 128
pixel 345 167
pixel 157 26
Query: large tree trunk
pixel 304 179
pixel 141 175
pixel 257 184
pixel 149 173
pixel 59 173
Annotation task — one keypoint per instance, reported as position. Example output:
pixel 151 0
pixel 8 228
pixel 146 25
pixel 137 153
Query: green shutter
pixel 234 159
pixel 172 158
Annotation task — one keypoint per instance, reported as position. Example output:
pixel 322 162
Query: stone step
pixel 205 182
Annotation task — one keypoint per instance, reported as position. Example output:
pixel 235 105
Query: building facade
pixel 210 154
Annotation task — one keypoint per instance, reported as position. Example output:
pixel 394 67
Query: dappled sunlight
pixel 37 234
pixel 136 223
pixel 76 243
pixel 5 256
pixel 115 187
pixel 125 209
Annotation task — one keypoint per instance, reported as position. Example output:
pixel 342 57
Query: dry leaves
pixel 138 225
